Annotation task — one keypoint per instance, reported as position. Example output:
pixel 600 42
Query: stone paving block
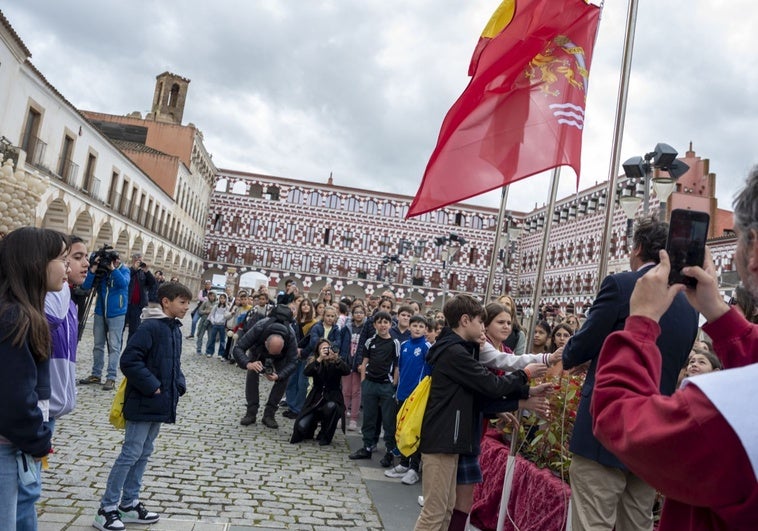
pixel 166 524
pixel 57 518
pixel 203 526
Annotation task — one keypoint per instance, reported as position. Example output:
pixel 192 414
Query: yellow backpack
pixel 116 416
pixel 410 417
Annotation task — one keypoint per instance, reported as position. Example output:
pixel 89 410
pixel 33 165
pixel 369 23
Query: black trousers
pixel 133 312
pixel 252 384
pixel 305 425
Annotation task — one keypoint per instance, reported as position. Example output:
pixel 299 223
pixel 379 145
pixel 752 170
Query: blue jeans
pixel 9 483
pixel 26 512
pixel 125 478
pixel 195 319
pixel 216 333
pixel 297 388
pixel 202 327
pixel 115 334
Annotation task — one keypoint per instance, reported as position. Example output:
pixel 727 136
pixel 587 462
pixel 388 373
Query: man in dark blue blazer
pixel 604 493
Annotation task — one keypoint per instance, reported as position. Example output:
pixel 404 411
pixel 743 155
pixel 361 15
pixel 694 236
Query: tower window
pixel 173 97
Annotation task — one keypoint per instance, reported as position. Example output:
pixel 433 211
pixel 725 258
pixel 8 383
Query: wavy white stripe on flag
pixel 571 123
pixel 571 111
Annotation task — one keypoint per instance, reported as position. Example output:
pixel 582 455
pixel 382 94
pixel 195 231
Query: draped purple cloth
pixel 539 500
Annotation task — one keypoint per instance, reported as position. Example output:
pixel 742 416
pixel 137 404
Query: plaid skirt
pixel 469 472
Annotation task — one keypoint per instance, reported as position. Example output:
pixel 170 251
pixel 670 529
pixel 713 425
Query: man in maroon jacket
pixel 698 447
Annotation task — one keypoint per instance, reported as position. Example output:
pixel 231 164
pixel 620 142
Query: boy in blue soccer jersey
pixel 413 368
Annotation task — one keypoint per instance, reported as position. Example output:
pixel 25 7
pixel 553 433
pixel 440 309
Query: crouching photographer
pixel 268 348
pixel 109 280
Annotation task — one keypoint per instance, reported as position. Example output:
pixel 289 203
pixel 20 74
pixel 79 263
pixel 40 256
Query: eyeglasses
pixel 65 261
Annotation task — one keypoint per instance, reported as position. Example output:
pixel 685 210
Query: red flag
pixel 523 110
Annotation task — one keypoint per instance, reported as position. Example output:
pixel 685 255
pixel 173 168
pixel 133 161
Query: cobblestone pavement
pixel 207 472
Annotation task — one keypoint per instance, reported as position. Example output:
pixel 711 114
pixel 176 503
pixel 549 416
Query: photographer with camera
pixel 324 404
pixel 109 279
pixel 269 347
pixel 141 283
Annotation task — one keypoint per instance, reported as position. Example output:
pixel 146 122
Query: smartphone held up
pixel 688 231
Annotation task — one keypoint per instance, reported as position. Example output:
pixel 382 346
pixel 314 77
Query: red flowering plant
pixel 545 441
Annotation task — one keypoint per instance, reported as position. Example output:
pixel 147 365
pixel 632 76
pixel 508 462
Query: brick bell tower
pixel 170 96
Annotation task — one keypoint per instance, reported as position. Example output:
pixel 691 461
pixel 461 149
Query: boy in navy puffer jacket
pixel 151 364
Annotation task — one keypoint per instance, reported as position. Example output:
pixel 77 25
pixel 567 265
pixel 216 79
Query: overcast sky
pixel 360 88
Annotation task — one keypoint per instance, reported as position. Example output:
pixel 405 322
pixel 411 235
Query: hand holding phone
pixel 688 231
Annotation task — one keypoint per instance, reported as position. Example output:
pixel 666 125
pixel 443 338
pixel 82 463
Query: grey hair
pixel 746 205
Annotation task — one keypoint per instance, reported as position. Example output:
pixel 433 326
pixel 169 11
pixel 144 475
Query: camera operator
pixel 110 279
pixel 141 282
pixel 269 347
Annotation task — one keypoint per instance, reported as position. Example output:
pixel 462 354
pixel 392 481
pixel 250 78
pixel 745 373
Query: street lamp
pixel 390 264
pixel 507 247
pixel 629 202
pixel 416 251
pixel 662 158
pixel 451 245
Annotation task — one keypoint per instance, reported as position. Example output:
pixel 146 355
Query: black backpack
pixel 281 313
pixel 278 314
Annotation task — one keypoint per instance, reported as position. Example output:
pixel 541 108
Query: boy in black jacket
pixel 151 363
pixel 448 428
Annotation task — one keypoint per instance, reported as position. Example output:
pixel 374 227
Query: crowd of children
pixel 364 359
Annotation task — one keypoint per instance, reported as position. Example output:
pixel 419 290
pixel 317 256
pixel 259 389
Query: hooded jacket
pixel 61 315
pixel 112 292
pixel 152 361
pixel 458 381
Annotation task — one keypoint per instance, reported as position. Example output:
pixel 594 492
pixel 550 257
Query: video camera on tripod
pixel 106 255
pixel 103 258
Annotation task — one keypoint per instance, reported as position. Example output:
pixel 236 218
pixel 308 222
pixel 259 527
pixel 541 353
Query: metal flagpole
pixel 510 463
pixel 495 246
pixel 618 135
pixel 543 255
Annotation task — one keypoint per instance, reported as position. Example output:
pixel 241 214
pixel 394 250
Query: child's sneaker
pixel 108 521
pixel 396 471
pixel 411 477
pixel 386 461
pixel 137 515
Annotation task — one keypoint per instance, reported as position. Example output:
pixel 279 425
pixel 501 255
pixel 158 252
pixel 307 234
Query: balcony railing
pixel 92 188
pixel 67 170
pixel 35 151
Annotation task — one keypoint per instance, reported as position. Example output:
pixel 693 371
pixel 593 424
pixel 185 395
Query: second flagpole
pixel 495 247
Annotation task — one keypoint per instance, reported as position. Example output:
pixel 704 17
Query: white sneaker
pixel 420 501
pixel 138 514
pixel 108 520
pixel 398 471
pixel 352 426
pixel 411 477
